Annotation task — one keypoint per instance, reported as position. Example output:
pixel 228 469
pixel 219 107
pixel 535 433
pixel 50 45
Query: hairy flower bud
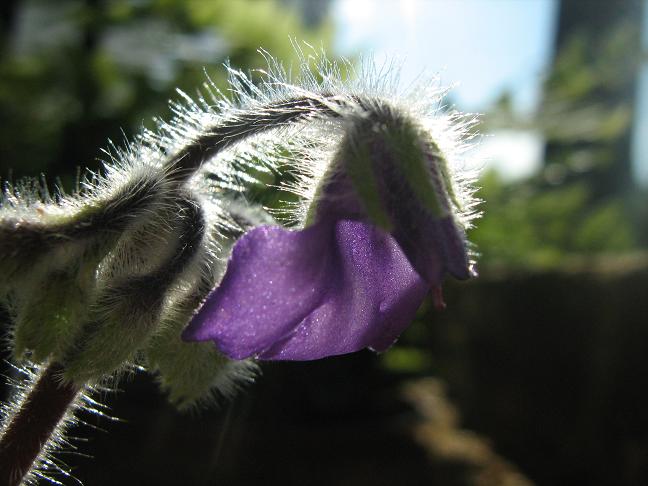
pixel 128 309
pixel 376 220
pixel 195 374
pixel 381 232
pixel 48 320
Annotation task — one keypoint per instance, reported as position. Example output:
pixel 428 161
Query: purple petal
pixel 434 247
pixel 435 244
pixel 330 289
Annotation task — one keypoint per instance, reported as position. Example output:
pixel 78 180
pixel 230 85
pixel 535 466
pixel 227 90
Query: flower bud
pixel 193 373
pixel 49 318
pixel 128 308
pixel 380 234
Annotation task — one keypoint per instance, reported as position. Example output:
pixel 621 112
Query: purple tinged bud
pixel 381 234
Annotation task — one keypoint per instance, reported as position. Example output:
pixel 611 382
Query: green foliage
pixel 525 226
pixel 583 200
pixel 108 67
pixel 402 359
pixel 604 65
pixel 249 23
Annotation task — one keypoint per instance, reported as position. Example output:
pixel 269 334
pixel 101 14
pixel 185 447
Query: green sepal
pixel 187 372
pixel 357 155
pixel 122 320
pixel 48 319
pixel 442 164
pixel 392 139
pixel 51 302
pixel 407 150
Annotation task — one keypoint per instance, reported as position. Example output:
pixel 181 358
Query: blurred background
pixel 535 374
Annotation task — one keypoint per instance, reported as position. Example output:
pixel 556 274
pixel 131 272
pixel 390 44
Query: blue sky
pixel 481 47
pixel 486 46
pixel 640 138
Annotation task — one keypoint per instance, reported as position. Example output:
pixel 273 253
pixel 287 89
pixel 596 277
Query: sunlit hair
pixel 124 261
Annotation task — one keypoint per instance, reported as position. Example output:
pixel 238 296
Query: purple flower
pixel 380 236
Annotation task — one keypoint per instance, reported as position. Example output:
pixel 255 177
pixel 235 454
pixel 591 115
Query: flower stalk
pixel 37 417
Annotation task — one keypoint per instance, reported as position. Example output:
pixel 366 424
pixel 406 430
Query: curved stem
pixel 243 125
pixel 29 430
pixel 19 237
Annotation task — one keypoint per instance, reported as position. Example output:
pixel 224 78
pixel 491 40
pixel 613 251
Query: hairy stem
pixel 245 125
pixel 31 427
pixel 141 193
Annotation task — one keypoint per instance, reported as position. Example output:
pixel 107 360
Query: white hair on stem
pixel 219 147
pixel 127 235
